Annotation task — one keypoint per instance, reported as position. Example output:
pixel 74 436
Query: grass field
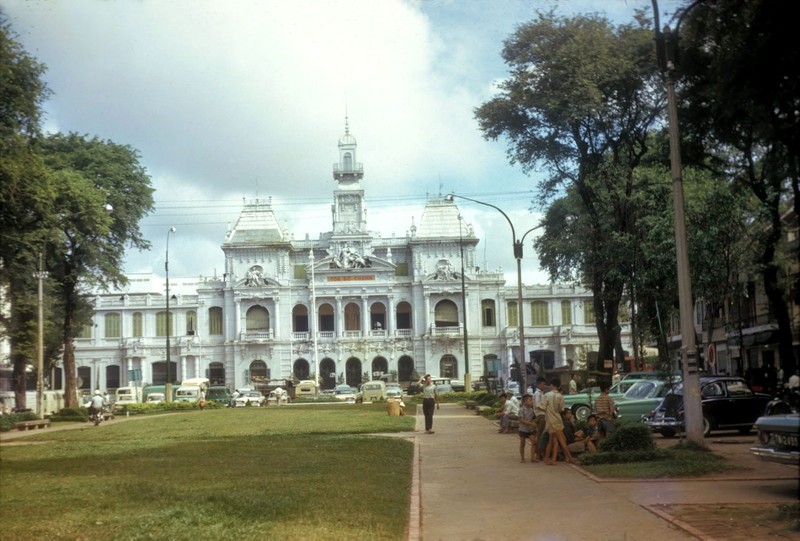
pixel 301 472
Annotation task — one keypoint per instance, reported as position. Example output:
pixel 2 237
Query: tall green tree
pixel 740 73
pixel 25 200
pixel 103 191
pixel 579 102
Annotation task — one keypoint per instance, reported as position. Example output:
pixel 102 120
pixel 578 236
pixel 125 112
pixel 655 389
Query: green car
pixel 582 404
pixel 643 397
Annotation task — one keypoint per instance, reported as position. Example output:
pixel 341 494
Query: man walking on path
pixel 430 400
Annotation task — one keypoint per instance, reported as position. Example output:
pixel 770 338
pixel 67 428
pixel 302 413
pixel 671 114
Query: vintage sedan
pixel 642 398
pixel 727 402
pixel 779 438
pixel 249 398
pixel 582 403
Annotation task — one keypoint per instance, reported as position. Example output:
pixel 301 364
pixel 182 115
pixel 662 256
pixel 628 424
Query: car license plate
pixel 788 440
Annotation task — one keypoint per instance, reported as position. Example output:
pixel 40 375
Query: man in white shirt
pixel 510 412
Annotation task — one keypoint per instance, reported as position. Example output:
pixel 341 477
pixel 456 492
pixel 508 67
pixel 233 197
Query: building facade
pixel 348 306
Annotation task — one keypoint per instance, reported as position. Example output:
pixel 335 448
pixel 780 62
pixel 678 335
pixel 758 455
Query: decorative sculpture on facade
pixel 349 259
pixel 254 278
pixel 444 271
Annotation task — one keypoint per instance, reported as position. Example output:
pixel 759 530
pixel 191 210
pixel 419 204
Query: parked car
pixel 413 388
pixel 458 385
pixel 727 403
pixel 642 398
pixel 307 387
pixel 393 390
pixel 155 398
pixel 513 386
pixel 219 393
pixel 345 393
pixel 582 404
pixel 251 398
pixel 779 438
pixel 443 385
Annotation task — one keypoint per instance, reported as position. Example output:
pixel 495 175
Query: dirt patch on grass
pixel 732 522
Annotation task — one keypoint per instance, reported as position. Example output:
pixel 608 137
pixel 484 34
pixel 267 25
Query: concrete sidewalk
pixel 472 486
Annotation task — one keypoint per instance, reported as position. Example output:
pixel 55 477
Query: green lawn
pixel 304 472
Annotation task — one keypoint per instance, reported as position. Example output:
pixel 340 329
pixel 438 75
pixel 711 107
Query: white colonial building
pixel 348 305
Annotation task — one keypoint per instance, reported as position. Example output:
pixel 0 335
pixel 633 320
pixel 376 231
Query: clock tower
pixel 349 211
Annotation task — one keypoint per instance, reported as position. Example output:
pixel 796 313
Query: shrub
pixel 7 422
pixel 72 415
pixel 628 437
pixel 622 457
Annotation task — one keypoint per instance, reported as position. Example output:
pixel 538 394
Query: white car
pixel 393 390
pixel 345 393
pixel 155 398
pixel 251 398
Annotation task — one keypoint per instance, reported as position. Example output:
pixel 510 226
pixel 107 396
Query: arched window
pixel 300 318
pixel 403 315
pixel 191 322
pixel 112 376
pixel 215 321
pixel 380 366
pixel 325 315
pixel 258 371
pixel 113 326
pixel 513 314
pixel 448 366
pixel 301 369
pixel 566 312
pixel 138 325
pixel 348 161
pixel 216 373
pixel 377 316
pixel 257 319
pixel 539 314
pixel 487 313
pixel 161 323
pixel 446 314
pixel 352 317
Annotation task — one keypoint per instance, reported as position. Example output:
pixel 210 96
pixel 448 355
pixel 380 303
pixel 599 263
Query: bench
pixel 471 404
pixel 31 425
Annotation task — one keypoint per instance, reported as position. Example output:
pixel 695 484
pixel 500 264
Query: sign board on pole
pixel 711 355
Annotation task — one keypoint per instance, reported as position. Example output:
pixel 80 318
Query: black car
pixel 727 402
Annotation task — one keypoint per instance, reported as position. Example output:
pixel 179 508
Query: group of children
pixel 547 425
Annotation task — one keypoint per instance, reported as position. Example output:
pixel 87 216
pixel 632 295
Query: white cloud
pixel 232 99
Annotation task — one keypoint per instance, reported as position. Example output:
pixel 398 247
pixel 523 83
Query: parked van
pixel 186 393
pixel 373 390
pixel 195 382
pixel 127 395
pixel 307 387
pixel 154 389
pixel 219 393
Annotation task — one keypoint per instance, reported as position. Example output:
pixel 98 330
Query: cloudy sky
pixel 235 99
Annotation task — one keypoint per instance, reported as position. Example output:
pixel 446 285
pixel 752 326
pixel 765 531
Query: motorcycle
pixel 785 401
pixel 98 415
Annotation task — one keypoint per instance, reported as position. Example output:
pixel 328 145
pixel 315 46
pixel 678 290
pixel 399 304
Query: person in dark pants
pixel 430 400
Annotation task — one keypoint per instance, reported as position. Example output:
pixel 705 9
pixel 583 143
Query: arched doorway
pixel 257 319
pixel 380 366
pixel 352 372
pixel 352 317
pixel 446 315
pixel 216 373
pixel 377 316
pixel 405 367
pixel 403 316
pixel 327 374
pixel 300 318
pixel 301 369
pixel 448 367
pixel 258 375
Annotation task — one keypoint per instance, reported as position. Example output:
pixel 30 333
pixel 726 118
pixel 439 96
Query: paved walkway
pixel 472 486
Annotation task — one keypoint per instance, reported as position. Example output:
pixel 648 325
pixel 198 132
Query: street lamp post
pixel 168 382
pixel 665 47
pixel 517 247
pixel 467 375
pixel 40 349
pixel 313 322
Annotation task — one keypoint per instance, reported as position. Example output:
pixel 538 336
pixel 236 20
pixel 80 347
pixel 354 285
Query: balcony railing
pixel 256 336
pixel 351 168
pixel 299 336
pixel 445 331
pixel 352 334
pixel 403 332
